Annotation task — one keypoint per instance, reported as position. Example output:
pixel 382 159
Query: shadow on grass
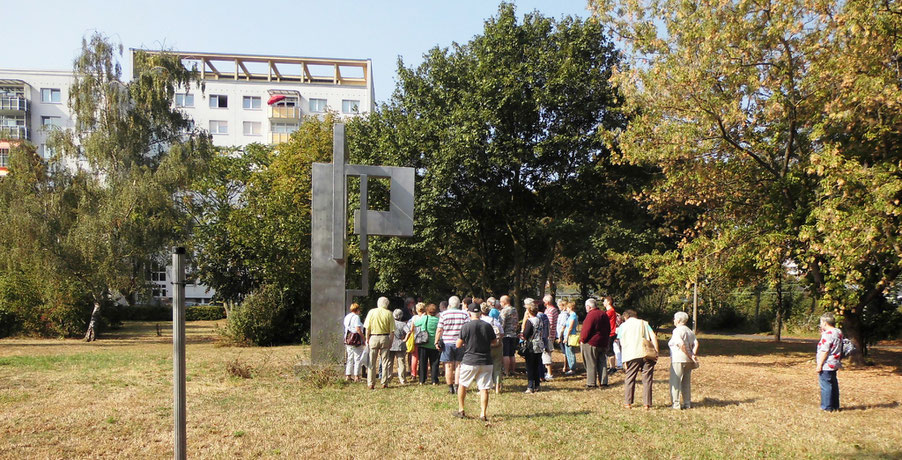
pixel 711 402
pixel 544 414
pixel 888 405
pixel 868 455
pixel 714 346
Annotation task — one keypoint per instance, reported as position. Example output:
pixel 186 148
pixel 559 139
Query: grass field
pixel 113 399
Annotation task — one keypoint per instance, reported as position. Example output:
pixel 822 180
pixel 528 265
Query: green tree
pixel 505 134
pixel 743 105
pixel 134 160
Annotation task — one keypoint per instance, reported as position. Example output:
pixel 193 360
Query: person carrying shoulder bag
pixel 640 353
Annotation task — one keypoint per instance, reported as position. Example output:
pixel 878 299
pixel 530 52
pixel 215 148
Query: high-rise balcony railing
pixel 12 104
pixel 14 132
pixel 278 138
pixel 285 113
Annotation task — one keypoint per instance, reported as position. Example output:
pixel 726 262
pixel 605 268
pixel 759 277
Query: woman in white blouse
pixel 683 358
pixel 354 353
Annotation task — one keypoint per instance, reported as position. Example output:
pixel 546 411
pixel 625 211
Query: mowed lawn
pixel 113 399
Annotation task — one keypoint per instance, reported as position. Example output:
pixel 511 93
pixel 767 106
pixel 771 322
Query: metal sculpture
pixel 329 296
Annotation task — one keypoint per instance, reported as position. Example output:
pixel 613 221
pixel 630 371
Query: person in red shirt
pixel 595 335
pixel 612 317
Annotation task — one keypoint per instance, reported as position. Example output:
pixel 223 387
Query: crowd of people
pixel 476 342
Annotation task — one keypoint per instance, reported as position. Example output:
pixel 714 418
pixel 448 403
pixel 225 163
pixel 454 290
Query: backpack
pixel 847 347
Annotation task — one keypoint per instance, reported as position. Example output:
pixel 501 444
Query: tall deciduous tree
pixel 512 170
pixel 752 112
pixel 133 160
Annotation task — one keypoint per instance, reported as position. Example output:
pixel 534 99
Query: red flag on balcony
pixel 274 99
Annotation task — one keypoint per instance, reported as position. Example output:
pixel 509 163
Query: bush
pixel 269 316
pixel 139 313
pixel 33 305
pixel 204 313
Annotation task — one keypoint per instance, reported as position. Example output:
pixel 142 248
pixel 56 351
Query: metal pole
pixel 178 350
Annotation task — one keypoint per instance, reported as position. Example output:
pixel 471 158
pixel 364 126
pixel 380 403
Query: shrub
pixel 269 316
pixel 204 313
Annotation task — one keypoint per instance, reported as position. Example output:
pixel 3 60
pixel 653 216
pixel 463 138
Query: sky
pixel 47 35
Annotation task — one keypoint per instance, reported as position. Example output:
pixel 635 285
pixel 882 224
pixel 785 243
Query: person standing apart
pixel 683 358
pixel 380 326
pixel 532 334
pixel 449 325
pixel 828 361
pixel 594 337
pixel 476 341
pixel 633 334
pixel 354 352
pixel 510 323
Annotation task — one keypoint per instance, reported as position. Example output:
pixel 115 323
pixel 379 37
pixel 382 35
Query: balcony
pixel 282 113
pixel 11 105
pixel 14 132
pixel 278 138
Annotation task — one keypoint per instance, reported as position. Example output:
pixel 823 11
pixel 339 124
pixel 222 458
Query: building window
pixel 350 106
pixel 51 95
pixel 317 105
pixel 251 102
pixel 184 100
pixel 4 158
pixel 219 101
pixel 284 128
pixel 219 127
pixel 49 123
pixel 252 128
pixel 46 151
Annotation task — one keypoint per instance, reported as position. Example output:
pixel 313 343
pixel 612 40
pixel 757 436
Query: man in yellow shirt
pixel 379 325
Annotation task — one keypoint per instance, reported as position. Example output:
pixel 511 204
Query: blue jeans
pixel 829 390
pixel 571 358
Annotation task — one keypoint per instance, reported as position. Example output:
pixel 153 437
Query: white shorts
pixel 482 374
pixel 546 357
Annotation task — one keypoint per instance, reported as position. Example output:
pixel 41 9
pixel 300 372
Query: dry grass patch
pixel 69 399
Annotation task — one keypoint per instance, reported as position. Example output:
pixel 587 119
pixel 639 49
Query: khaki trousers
pixel 379 354
pixel 681 384
pixel 632 369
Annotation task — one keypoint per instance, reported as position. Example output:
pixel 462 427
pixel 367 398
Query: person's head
pixel 431 309
pixel 467 301
pixel 475 310
pixel 564 305
pixel 409 302
pixel 443 305
pixel 608 302
pixel 454 302
pixel 492 301
pixel 383 302
pixel 541 307
pixel 478 301
pixel 828 319
pixel 505 300
pixel 680 318
pixel 590 304
pixel 530 305
pixel 485 307
pixel 355 308
pixel 421 308
pixel 629 314
pixel 398 314
pixel 548 300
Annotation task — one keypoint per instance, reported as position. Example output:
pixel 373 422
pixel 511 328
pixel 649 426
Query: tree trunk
pixel 853 331
pixel 757 302
pixel 91 334
pixel 779 319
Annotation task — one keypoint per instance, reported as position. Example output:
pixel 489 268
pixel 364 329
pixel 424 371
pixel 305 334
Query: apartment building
pixel 263 99
pixel 32 103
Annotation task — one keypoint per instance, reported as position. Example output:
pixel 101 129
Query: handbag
pixel 410 344
pixel 573 340
pixel 422 335
pixel 353 339
pixel 651 354
pixel 523 348
pixel 693 364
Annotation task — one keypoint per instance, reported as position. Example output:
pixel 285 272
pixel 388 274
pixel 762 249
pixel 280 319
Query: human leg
pixel 531 371
pixel 415 362
pixel 433 358
pixel 484 404
pixel 590 359
pixel 648 374
pixel 676 379
pixel 349 361
pixel 686 388
pixel 602 367
pixel 631 370
pixel 829 390
pixel 834 396
pixel 421 362
pixel 373 364
pixel 617 353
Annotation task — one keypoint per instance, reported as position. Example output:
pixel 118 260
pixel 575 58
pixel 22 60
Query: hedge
pixel 164 313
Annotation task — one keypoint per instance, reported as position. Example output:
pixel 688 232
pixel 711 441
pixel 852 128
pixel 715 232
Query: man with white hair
pixel 379 325
pixel 446 336
pixel 594 337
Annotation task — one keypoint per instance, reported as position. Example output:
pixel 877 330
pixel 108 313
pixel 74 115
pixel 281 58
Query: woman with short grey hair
pixel 683 358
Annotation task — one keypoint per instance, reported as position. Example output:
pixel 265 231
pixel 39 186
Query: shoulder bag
pixel 422 335
pixel 353 339
pixel 651 354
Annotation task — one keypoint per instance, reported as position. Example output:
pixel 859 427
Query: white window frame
pixel 252 99
pixel 55 122
pixel 354 108
pixel 313 109
pixel 252 124
pixel 4 158
pixel 220 124
pixel 216 97
pixel 52 92
pixel 185 97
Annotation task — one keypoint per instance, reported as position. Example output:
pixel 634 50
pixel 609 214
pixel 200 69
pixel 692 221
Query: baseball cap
pixel 474 308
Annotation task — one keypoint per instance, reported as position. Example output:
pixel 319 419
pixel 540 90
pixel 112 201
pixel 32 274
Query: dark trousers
pixel 533 370
pixel 432 355
pixel 596 368
pixel 632 369
pixel 829 390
